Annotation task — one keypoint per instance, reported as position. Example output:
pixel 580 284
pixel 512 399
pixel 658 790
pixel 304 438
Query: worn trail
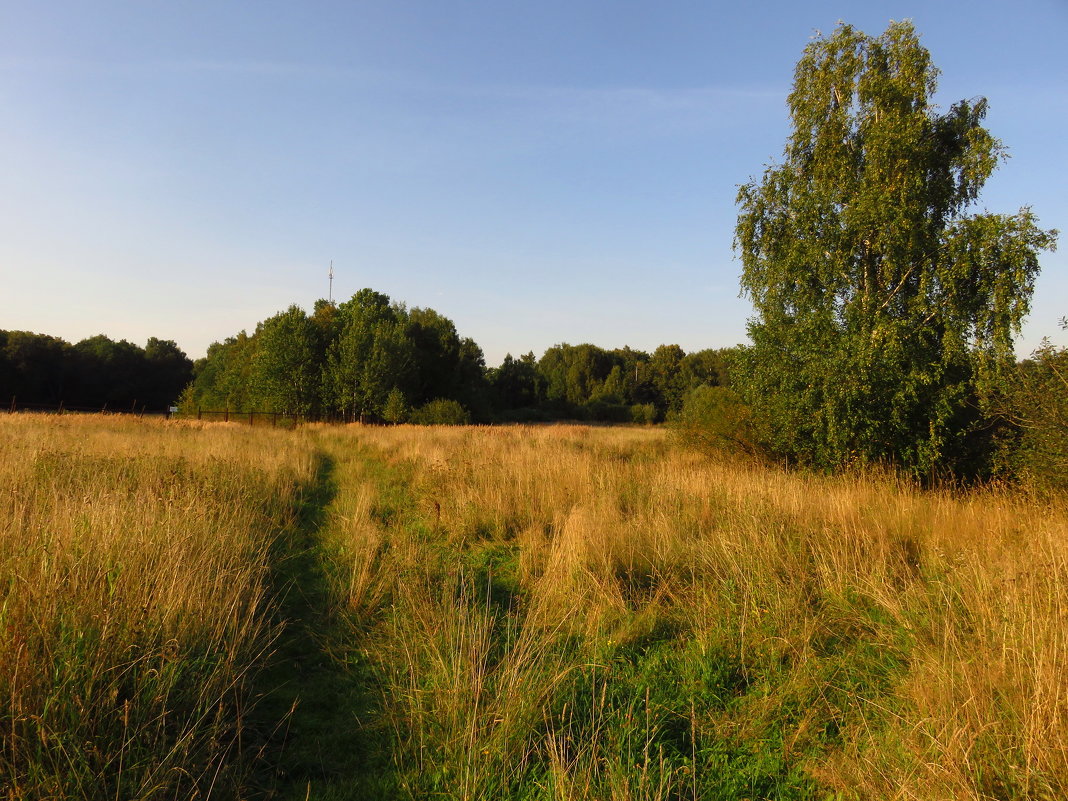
pixel 315 696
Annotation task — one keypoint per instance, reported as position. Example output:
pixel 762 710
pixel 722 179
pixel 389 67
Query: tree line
pixel 374 359
pixel 95 373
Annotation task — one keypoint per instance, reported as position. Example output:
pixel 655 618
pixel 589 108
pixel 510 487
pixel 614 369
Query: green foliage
pixel 40 369
pixel 34 368
pixel 710 367
pixel 715 420
pixel 1039 406
pixel 370 357
pixel 590 383
pixel 396 409
pixel 107 371
pixel 437 352
pixel 221 380
pixel 605 409
pixel 573 373
pixel 644 413
pixel 885 314
pixel 668 376
pixel 472 387
pixel 516 384
pixel 287 366
pixel 441 412
pixel 367 358
pixel 167 372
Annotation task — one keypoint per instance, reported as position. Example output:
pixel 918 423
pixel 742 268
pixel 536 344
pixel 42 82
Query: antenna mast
pixel 331 295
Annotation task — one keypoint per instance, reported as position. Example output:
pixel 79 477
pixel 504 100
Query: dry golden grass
pixel 549 612
pixel 133 559
pixel 918 640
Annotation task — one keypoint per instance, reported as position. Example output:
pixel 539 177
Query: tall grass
pixel 544 613
pixel 133 561
pixel 567 612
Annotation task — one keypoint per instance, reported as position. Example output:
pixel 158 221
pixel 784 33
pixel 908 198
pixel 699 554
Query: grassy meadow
pixel 134 560
pixel 547 612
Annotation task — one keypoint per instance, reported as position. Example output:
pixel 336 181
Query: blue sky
pixel 538 172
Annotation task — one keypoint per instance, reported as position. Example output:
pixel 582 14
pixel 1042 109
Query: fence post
pixel 250 417
pixel 226 415
pixel 12 403
pixel 61 407
pixel 198 413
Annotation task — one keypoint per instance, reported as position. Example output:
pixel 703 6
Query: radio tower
pixel 330 298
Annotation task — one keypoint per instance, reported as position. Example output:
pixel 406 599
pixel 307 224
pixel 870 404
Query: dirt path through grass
pixel 315 698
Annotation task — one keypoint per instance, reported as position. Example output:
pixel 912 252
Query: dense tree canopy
pixel 366 358
pixel 98 372
pixel 885 312
pixel 373 359
pixel 370 357
pixel 288 364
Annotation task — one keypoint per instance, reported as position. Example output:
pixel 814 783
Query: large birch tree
pixel 885 308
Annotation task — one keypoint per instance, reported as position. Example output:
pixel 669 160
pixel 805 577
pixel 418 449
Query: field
pixel 556 612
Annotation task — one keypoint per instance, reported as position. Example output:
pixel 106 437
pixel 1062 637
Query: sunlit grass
pixel 596 614
pixel 133 559
pixel 550 612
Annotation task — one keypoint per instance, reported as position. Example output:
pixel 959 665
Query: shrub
pixel 441 412
pixel 1041 411
pixel 605 410
pixel 643 413
pixel 715 419
pixel 396 409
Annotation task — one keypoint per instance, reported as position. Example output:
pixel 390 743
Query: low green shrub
pixel 715 419
pixel 643 413
pixel 441 412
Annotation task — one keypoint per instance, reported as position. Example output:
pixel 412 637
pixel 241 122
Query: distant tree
pixel 168 372
pixel 668 377
pixel 616 387
pixel 472 386
pixel 221 380
pixel 635 382
pixel 573 374
pixel 41 369
pixel 710 367
pixel 515 382
pixel 287 365
pixel 371 355
pixel 8 374
pixel 34 368
pixel 436 350
pixel 327 322
pixel 396 409
pixel 109 373
pixel 884 313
